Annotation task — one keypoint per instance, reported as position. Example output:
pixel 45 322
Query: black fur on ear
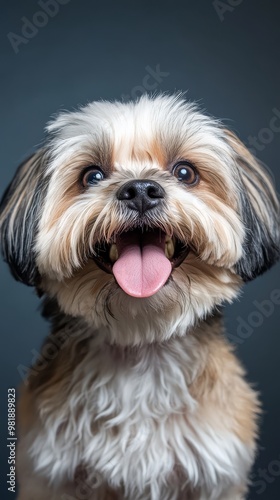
pixel 260 213
pixel 19 212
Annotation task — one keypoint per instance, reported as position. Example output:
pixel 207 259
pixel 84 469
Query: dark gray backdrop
pixel 227 55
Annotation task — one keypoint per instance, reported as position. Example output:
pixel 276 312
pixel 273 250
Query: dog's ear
pixel 259 209
pixel 19 212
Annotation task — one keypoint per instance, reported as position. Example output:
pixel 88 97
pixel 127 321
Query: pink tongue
pixel 142 267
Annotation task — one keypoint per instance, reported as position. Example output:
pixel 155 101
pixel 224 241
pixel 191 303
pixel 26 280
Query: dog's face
pixel 140 217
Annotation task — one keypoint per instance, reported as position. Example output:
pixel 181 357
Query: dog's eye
pixel 185 172
pixel 91 176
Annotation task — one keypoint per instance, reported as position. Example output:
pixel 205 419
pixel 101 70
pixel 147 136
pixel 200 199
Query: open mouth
pixel 141 260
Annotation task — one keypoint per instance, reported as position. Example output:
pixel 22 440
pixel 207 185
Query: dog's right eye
pixel 91 176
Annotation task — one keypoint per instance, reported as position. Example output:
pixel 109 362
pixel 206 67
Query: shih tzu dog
pixel 136 221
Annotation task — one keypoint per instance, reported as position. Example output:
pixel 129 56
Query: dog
pixel 136 221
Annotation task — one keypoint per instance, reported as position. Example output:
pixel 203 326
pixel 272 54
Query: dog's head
pixel 140 217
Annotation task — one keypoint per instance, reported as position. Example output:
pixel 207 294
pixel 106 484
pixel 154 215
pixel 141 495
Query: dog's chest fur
pixel 130 416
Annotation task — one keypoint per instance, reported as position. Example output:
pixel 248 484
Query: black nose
pixel 141 195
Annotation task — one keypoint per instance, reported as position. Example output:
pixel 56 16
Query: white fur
pixel 129 131
pixel 160 429
pixel 126 414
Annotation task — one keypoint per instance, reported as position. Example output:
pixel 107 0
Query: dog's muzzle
pixel 141 257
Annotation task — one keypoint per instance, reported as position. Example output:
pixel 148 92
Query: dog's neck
pixel 170 368
pixel 177 359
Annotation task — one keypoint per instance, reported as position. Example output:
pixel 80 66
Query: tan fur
pixel 225 400
pixel 144 394
pixel 222 392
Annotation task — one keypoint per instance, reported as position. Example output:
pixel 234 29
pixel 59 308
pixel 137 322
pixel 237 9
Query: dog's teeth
pixel 169 248
pixel 113 254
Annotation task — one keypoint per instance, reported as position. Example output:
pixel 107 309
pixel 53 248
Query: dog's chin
pixel 143 285
pixel 190 291
pixel 141 259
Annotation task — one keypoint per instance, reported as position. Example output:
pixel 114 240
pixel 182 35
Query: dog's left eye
pixel 185 172
pixel 91 176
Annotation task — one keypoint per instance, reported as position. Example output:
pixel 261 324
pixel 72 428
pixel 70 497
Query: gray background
pixel 90 51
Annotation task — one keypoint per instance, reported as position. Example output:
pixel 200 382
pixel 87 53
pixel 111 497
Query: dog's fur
pixel 141 398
